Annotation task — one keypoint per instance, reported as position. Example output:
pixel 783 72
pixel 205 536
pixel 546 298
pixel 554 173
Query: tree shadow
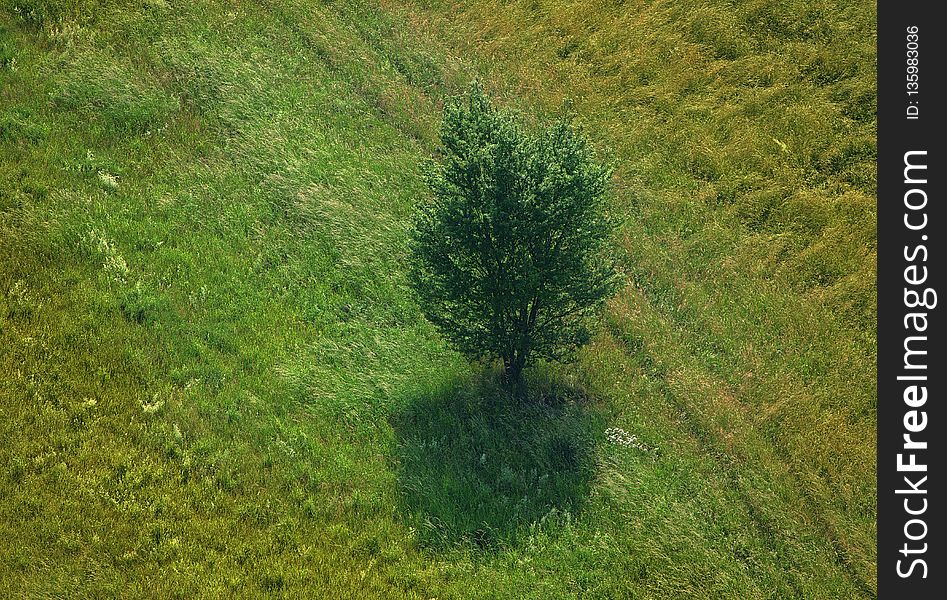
pixel 477 465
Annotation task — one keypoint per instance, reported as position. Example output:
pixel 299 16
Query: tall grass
pixel 744 134
pixel 213 380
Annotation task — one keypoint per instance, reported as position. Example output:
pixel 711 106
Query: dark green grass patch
pixel 477 466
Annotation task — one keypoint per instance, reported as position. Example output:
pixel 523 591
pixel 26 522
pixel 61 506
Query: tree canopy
pixel 511 253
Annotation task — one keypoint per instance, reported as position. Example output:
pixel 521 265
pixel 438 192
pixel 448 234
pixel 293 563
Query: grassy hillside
pixel 213 379
pixel 744 134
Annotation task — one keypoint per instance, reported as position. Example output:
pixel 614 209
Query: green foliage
pixel 476 467
pixel 510 257
pixel 274 424
pixel 104 89
pixel 7 51
pixel 140 305
pixel 41 13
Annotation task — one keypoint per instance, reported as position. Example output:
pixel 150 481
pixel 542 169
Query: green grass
pixel 215 381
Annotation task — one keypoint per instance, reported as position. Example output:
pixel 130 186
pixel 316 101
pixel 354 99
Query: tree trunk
pixel 514 363
pixel 513 370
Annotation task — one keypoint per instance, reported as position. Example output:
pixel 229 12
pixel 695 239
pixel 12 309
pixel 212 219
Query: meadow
pixel 214 378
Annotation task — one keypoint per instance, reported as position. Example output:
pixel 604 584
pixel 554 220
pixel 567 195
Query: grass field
pixel 214 379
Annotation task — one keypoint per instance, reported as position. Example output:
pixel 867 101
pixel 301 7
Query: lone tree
pixel 510 257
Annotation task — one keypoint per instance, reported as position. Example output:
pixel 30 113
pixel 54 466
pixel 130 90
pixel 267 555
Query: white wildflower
pixel 620 437
pixel 113 262
pixel 116 267
pixel 155 406
pixel 108 180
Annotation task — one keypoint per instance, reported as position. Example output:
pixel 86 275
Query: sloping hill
pixel 213 379
pixel 744 133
